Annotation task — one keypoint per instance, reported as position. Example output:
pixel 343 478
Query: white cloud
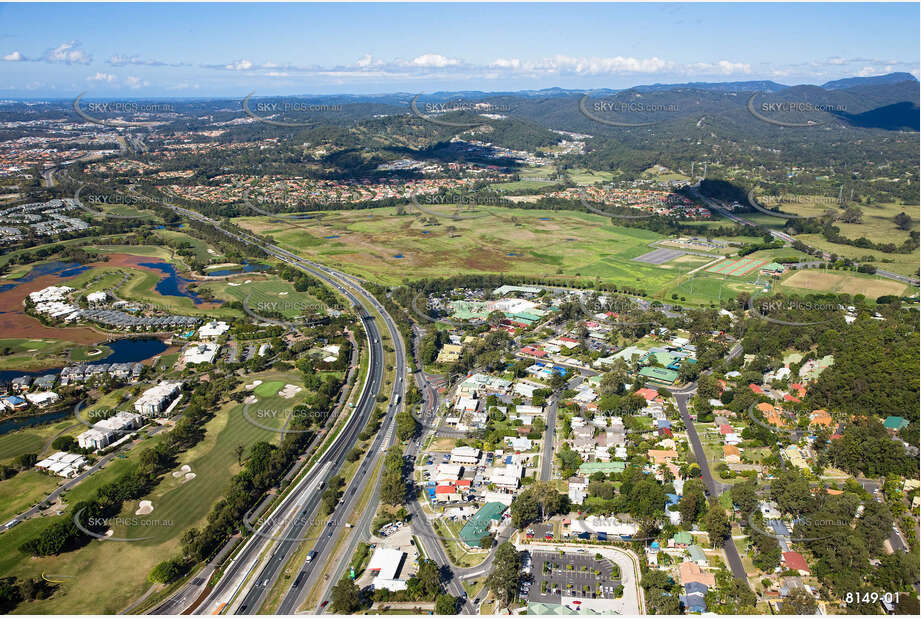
pixel 240 65
pixel 136 82
pixel 434 60
pixel 14 57
pixel 103 77
pixel 67 53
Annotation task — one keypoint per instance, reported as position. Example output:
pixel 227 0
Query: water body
pixel 245 268
pixel 14 424
pixel 334 236
pixel 172 284
pixel 123 351
pixel 61 269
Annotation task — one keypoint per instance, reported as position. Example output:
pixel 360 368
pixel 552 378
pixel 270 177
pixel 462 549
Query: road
pixel 718 209
pixel 714 487
pixel 284 528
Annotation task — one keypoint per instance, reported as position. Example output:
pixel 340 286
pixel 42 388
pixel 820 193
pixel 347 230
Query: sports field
pixel 739 267
pixel 843 283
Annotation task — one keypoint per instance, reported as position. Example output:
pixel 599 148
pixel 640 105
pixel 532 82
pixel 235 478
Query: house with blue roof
pixel 693 603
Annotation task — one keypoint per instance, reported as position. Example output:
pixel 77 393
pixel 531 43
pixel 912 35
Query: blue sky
pixel 232 49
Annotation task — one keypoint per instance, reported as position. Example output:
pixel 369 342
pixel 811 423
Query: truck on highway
pixel 311 556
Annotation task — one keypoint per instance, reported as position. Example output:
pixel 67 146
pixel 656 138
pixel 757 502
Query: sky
pixel 201 50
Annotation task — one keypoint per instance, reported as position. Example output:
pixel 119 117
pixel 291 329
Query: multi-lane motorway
pixel 253 571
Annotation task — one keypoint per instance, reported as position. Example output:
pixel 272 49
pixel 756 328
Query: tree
pixel 65 443
pixel 800 603
pixel 406 425
pixel 345 597
pixel 902 221
pixel 504 579
pixel 238 450
pixel 717 524
pixel 744 497
pixel 446 605
pixel 429 579
pixel 167 571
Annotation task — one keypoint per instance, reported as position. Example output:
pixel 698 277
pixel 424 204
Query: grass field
pixel 266 291
pixel 33 439
pixel 107 576
pixel 199 246
pixel 842 283
pixel 545 243
pixel 582 176
pixel 31 354
pixel 23 490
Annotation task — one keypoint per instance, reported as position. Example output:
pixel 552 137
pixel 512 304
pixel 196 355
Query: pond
pixel 172 284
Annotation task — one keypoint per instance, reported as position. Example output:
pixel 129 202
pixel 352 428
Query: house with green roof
pixel 683 539
pixel 659 375
pixel 697 555
pixel 895 423
pixel 478 525
pixel 773 268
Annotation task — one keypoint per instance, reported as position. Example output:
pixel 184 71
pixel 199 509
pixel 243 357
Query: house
pixel 14 403
pixel 659 375
pixel 820 418
pixel 795 562
pixel 694 603
pixel 466 404
pixel 726 429
pixel 731 454
pixel 42 398
pixel 696 554
pixel 647 393
pixel 732 439
pixel 682 539
pixel 795 456
pixel 578 489
pixel 518 444
pixel 662 456
pixel 895 423
pixel 690 572
pixel 450 353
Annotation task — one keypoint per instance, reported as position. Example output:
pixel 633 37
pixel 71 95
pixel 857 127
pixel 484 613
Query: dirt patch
pixel 843 284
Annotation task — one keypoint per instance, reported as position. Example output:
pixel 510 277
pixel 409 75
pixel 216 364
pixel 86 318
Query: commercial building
pixel 465 455
pixel 385 565
pixel 213 329
pixel 478 526
pixel 198 353
pixel 155 400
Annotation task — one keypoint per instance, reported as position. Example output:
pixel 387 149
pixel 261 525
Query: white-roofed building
pixel 507 477
pixel 465 455
pixel 96 298
pixel 385 565
pixel 213 329
pixel 448 472
pixel 199 353
pixel 43 398
pixel 156 399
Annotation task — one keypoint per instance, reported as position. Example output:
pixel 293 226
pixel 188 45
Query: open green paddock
pixel 542 243
pixel 266 291
pixel 22 491
pixel 106 576
pixel 33 439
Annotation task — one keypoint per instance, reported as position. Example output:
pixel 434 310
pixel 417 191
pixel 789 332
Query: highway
pixel 283 530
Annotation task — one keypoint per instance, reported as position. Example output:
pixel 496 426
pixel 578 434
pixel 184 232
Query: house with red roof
pixel 756 389
pixel 647 393
pixel 794 560
pixel 530 350
pixel 726 429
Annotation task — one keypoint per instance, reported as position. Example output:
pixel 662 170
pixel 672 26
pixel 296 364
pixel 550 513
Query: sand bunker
pixel 189 476
pixel 233 284
pixel 254 384
pixel 96 352
pixel 177 474
pixel 250 400
pixel 145 507
pixel 186 468
pixel 282 293
pixel 289 391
